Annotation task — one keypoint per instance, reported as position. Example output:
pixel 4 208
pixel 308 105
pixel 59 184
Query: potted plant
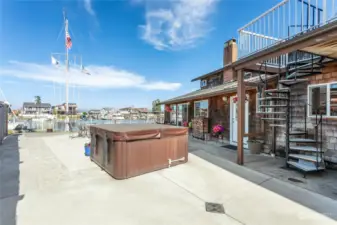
pixel 254 145
pixel 218 131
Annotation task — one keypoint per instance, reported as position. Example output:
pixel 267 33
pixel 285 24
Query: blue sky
pixel 136 50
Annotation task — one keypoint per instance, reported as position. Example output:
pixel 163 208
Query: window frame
pixel 201 101
pixel 328 99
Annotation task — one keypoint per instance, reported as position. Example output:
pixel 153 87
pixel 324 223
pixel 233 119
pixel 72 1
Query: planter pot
pixel 254 147
pixel 87 150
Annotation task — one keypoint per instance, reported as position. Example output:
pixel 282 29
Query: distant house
pixel 106 113
pixel 61 109
pixel 94 113
pixel 142 113
pixel 31 108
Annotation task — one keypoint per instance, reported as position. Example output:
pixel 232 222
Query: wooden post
pixel 176 114
pixel 241 115
pixel 187 112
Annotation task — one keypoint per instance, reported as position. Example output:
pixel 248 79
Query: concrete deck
pixel 324 183
pixel 48 180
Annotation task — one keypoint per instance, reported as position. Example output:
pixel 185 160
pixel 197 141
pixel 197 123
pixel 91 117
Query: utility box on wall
pixel 3 120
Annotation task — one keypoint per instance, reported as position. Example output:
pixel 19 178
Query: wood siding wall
pixel 220 113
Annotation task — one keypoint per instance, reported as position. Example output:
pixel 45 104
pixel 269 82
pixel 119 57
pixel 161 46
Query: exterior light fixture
pixel 225 99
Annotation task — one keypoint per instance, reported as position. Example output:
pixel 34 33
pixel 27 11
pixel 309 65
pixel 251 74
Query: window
pixel 317 100
pixel 201 108
pixel 322 99
pixel 203 83
pixel 333 99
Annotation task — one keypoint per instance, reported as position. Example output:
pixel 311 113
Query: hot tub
pixel 128 150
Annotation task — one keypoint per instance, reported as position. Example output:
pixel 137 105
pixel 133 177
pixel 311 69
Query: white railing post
pixel 302 15
pixel 289 18
pixel 309 10
pixel 317 11
pixel 333 8
pixel 275 25
pixel 295 25
pixel 324 11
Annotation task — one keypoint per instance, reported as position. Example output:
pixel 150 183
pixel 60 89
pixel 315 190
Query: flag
pixel 84 70
pixel 68 39
pixel 54 61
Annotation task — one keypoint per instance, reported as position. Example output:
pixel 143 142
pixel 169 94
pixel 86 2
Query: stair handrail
pixel 318 136
pixel 319 122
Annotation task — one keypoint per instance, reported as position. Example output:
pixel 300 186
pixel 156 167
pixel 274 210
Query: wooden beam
pixel 257 67
pixel 241 114
pixel 251 84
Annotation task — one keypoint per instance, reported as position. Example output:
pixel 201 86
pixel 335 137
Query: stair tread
pixel 270 118
pixel 306 140
pixel 272 106
pixel 280 90
pixel 277 125
pixel 297 132
pixel 292 81
pixel 270 112
pixel 305 168
pixel 274 97
pixel 305 148
pixel 303 73
pixel 311 158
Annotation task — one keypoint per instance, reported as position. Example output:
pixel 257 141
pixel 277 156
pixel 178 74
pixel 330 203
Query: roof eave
pixel 224 91
pixel 209 74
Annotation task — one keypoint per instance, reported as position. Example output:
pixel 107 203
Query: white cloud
pixel 101 76
pixel 177 24
pixel 88 7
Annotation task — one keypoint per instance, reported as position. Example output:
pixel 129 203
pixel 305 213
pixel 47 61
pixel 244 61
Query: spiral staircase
pixel 303 151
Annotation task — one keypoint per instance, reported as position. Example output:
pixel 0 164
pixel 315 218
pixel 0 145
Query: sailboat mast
pixel 67 62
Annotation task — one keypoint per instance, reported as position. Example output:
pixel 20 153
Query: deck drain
pixel 214 207
pixel 295 180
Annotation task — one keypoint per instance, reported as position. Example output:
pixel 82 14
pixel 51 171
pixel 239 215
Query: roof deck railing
pixel 285 20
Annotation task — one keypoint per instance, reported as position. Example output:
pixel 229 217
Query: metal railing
pixel 319 137
pixel 287 19
pixel 60 125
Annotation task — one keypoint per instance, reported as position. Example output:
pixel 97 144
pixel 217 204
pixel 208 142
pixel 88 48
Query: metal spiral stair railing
pixel 302 153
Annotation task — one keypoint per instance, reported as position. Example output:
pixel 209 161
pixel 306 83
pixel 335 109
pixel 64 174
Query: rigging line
pixel 58 36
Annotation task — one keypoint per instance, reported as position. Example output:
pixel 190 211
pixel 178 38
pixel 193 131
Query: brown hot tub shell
pixel 128 150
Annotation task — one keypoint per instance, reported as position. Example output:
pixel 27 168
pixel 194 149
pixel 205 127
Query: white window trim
pixel 328 99
pixel 201 101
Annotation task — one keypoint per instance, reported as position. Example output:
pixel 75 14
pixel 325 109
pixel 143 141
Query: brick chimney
pixel 230 52
pixel 230 55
